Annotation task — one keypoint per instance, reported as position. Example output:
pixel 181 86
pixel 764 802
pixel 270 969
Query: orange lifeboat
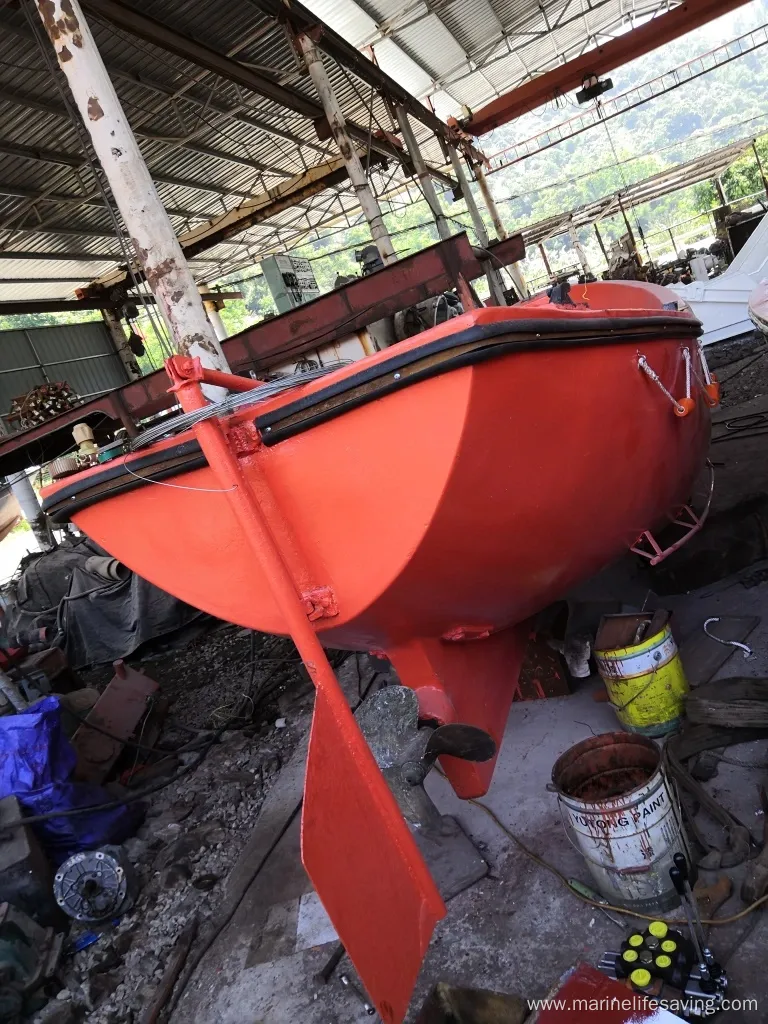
pixel 423 502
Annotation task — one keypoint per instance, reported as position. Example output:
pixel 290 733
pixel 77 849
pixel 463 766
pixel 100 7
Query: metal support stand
pixel 338 126
pixel 425 181
pixel 405 753
pixel 492 274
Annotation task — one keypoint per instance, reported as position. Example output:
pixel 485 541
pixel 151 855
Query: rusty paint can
pixel 646 683
pixel 621 814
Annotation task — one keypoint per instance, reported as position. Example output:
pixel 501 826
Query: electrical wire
pixel 594 903
pixel 137 744
pixel 111 805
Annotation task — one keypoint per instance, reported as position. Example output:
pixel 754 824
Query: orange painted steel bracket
pixel 691 525
pixel 438 670
pixel 356 846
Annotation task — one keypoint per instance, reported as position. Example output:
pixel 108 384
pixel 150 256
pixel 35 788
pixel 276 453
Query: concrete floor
pixel 519 929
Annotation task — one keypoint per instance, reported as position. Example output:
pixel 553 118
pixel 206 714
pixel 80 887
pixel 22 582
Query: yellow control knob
pixel 629 955
pixel 669 945
pixel 635 940
pixel 658 929
pixel 663 961
pixel 640 978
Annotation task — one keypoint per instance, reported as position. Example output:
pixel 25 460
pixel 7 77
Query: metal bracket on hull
pixel 320 603
pixel 691 525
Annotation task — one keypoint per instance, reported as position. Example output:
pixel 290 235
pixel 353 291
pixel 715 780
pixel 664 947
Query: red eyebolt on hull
pixel 423 502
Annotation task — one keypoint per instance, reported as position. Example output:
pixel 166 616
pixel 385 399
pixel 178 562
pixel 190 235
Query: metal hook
pixel 747 651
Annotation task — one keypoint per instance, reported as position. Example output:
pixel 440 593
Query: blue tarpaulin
pixel 36 766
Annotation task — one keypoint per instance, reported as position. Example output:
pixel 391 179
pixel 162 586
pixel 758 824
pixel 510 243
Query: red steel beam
pixel 650 36
pixel 338 314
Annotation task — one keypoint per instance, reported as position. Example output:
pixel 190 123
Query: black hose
pixel 111 805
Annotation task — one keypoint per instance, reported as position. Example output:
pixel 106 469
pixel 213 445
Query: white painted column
pixel 29 504
pixel 338 126
pixel 214 315
pixel 521 285
pixel 578 248
pixel 492 274
pixel 420 166
pixel 144 215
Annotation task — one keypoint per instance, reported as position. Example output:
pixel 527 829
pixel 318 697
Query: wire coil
pixel 232 403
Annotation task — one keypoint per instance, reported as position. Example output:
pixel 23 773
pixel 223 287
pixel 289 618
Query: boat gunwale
pixel 476 344
pixel 527 337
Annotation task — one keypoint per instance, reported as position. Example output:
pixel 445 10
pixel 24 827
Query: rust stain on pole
pixel 142 211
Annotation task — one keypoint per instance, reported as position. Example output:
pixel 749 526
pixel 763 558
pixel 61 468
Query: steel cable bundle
pixel 739 703
pixel 230 404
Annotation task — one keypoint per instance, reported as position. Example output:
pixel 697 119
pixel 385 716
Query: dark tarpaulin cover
pixel 36 765
pixel 98 620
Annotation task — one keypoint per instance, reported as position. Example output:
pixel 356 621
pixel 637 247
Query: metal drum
pixel 646 683
pixel 621 814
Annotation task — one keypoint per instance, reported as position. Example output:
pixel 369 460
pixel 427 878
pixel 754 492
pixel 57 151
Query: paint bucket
pixel 645 681
pixel 622 815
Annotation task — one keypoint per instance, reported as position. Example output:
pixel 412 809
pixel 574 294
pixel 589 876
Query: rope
pixel 687 361
pixel 704 363
pixel 642 363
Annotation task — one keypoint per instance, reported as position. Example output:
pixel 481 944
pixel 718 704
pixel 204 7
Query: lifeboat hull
pixel 424 502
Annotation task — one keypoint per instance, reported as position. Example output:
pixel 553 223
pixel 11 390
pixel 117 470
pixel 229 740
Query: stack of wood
pixel 41 404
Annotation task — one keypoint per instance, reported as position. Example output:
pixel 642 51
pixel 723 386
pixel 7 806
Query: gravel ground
pixel 744 378
pixel 195 827
pixel 741 365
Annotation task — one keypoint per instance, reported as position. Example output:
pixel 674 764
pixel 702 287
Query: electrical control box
pixel 291 281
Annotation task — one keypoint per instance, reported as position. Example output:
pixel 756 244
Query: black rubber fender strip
pixel 269 424
pixel 77 495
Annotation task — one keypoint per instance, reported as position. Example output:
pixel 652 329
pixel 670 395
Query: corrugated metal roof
pixel 211 144
pixel 702 168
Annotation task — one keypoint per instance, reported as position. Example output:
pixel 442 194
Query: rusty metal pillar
pixel 628 226
pixel 601 243
pixel 119 340
pixel 498 226
pixel 213 309
pixel 144 215
pixel 490 202
pixel 425 181
pixel 492 274
pixel 338 126
pixel 29 503
pixel 543 252
pixel 578 248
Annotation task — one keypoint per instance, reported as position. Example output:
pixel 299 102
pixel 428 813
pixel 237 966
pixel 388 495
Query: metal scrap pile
pixel 41 404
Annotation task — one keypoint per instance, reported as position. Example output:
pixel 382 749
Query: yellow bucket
pixel 646 683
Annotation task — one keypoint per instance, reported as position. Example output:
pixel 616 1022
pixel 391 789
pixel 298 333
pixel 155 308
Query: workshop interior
pixel 383 511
